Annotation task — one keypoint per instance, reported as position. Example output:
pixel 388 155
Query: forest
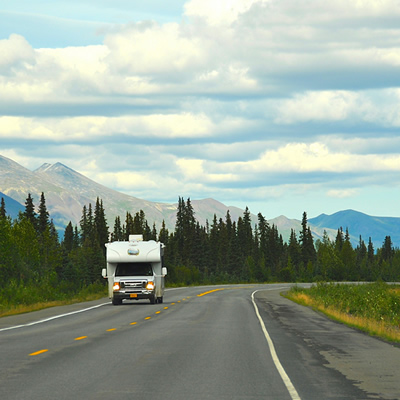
pixel 34 260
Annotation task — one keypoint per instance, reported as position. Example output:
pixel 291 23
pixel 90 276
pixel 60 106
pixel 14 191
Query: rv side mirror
pixel 164 271
pixel 104 272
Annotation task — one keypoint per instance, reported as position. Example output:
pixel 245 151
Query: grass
pixel 373 308
pixel 26 298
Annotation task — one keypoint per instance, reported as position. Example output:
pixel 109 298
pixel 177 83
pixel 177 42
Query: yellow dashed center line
pixel 211 291
pixel 114 329
pixel 38 352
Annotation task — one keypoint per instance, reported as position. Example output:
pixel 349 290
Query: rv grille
pixel 133 284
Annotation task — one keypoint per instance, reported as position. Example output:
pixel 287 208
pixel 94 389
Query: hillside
pixel 12 207
pixel 358 224
pixel 67 191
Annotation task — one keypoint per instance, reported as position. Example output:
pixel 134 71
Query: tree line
pixel 222 251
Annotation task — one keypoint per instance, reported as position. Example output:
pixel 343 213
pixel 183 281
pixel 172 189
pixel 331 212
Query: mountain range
pixel 67 191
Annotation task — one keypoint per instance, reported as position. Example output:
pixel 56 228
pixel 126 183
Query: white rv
pixel 135 270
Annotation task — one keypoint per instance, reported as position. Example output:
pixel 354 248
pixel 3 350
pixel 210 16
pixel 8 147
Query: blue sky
pixel 279 105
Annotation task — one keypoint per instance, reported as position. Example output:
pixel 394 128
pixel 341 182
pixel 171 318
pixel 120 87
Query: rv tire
pixel 116 302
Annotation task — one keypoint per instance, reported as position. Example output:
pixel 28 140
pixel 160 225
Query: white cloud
pixel 342 193
pixel 222 12
pixel 240 93
pixel 85 128
pixel 316 157
pixel 152 49
pixel 15 52
pixel 128 180
pixel 317 106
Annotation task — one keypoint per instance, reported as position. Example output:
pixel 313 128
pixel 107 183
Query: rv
pixel 135 270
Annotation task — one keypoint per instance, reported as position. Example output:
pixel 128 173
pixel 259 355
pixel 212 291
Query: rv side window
pixel 134 269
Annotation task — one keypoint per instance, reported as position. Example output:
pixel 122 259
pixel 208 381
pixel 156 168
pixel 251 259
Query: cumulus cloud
pixel 15 52
pixel 242 97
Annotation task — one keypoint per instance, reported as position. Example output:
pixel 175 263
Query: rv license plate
pixel 133 295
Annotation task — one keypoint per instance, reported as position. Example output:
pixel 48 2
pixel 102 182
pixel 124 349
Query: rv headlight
pixel 116 286
pixel 150 286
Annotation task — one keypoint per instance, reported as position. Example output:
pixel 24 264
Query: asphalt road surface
pixel 223 342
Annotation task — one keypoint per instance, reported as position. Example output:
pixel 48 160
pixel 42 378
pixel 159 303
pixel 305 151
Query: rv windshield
pixel 134 269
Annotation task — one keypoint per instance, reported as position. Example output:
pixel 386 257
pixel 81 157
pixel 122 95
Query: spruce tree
pixel 163 236
pixel 43 222
pixel 117 234
pixel 129 227
pixel 348 258
pixel 387 249
pixel 294 252
pixel 29 212
pixel 307 243
pixel 3 208
pixel 100 223
pixel 68 241
pixel 84 225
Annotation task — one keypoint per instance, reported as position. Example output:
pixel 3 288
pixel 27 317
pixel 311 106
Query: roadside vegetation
pixel 37 266
pixel 373 308
pixel 18 298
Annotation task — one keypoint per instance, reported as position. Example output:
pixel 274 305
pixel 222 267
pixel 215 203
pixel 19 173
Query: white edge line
pixel 286 380
pixel 51 318
pixel 63 315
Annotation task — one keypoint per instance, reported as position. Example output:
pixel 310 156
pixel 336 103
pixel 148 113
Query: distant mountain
pixel 285 225
pixel 357 223
pixel 12 207
pixel 67 191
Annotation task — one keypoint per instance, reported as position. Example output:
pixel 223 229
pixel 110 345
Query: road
pixel 202 342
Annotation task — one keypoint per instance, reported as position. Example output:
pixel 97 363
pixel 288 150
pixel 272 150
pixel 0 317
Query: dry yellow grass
pixel 375 328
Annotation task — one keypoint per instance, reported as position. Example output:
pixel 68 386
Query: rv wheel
pixel 117 302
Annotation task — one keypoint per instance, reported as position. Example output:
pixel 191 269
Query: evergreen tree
pixel 153 234
pixel 339 240
pixel 8 255
pixel 29 212
pixel 361 260
pixel 370 250
pixel 101 226
pixel 348 257
pixel 2 208
pixel 84 225
pixel 163 236
pixel 330 266
pixel 294 252
pixel 387 249
pixel 117 234
pixel 263 235
pixel 129 226
pixel 214 246
pixel 43 222
pixel 68 241
pixel 307 243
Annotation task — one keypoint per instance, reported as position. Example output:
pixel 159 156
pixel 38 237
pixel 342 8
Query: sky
pixel 281 106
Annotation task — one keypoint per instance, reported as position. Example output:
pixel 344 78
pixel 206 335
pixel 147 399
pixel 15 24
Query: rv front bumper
pixel 145 294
